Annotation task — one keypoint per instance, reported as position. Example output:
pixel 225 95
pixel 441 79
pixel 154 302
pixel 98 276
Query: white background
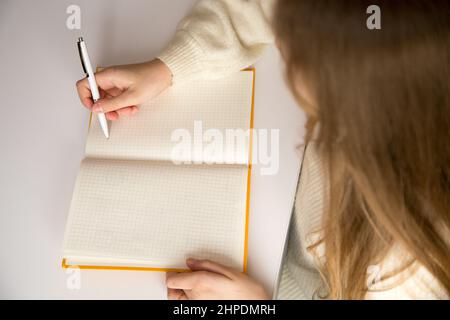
pixel 43 130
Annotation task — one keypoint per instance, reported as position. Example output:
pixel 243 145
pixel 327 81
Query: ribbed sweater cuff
pixel 183 57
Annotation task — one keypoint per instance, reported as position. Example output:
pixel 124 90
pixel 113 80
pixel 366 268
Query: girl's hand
pixel 210 280
pixel 122 88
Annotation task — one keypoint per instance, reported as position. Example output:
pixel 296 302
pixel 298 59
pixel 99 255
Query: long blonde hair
pixel 382 99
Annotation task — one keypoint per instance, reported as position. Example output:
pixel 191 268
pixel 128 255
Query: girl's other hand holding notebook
pixel 210 280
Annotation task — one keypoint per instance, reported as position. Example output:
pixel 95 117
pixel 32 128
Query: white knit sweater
pixel 223 36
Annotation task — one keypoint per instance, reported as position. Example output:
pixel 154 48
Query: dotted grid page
pixel 157 212
pixel 219 104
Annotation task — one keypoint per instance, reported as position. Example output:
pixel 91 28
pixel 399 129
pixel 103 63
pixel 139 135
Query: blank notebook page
pixel 220 104
pixel 157 213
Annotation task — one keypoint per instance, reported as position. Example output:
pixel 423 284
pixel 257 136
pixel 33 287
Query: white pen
pixel 87 67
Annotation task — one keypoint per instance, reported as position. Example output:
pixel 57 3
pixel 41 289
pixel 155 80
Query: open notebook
pixel 139 205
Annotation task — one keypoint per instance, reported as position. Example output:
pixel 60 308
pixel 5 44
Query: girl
pixel 374 192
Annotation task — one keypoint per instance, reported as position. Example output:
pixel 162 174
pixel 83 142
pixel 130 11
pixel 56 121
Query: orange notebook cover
pixel 65 263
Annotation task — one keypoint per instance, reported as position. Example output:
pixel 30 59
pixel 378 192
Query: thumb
pixel 125 99
pixel 208 265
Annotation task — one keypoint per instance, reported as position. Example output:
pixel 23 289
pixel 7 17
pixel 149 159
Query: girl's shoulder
pixel 399 276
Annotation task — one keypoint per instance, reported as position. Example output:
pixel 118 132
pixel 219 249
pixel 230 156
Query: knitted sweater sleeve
pixel 219 37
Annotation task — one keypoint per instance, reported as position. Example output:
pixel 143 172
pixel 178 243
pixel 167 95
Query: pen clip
pixel 80 52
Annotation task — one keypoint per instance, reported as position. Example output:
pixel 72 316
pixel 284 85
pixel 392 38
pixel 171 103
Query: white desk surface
pixel 43 130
